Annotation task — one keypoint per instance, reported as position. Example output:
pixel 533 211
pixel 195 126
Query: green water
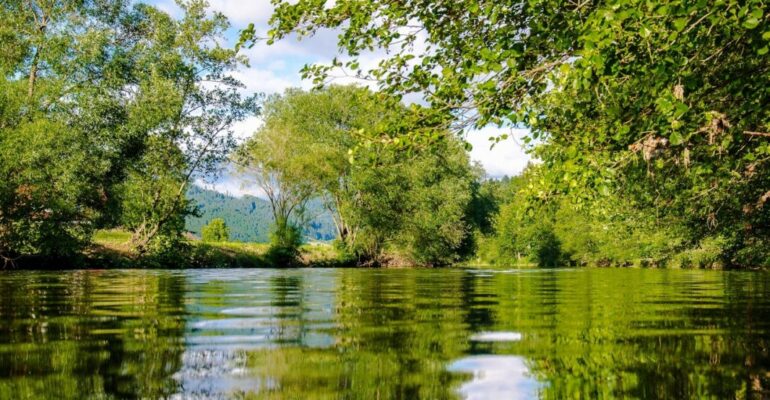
pixel 384 334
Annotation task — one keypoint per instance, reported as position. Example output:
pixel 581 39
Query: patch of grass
pixel 112 237
pixel 111 249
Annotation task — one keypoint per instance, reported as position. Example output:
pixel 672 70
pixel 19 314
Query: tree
pixel 661 102
pixel 66 78
pixel 335 144
pixel 335 123
pixel 108 111
pixel 275 162
pixel 197 136
pixel 215 231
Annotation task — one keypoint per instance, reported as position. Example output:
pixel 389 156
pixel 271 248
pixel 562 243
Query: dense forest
pixel 248 218
pixel 649 121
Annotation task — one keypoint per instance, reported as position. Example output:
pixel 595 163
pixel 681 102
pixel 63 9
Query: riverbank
pixel 110 249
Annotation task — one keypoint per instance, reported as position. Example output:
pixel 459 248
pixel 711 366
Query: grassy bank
pixel 111 249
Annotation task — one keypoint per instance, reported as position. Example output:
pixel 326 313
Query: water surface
pixel 385 334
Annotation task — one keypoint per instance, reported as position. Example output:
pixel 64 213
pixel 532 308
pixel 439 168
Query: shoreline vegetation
pixel 111 249
pixel 648 130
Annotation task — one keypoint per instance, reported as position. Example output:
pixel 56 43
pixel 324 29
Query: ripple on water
pixel 496 337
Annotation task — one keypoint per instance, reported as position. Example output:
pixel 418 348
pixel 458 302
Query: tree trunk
pixel 33 74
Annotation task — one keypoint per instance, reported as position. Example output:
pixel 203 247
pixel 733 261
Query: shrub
pixel 215 231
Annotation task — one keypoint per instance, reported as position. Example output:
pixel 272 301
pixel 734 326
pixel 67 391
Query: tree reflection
pixel 90 334
pixel 354 334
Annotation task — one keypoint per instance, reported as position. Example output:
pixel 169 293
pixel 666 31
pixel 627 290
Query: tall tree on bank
pixel 65 137
pixel 336 144
pixel 203 103
pixel 275 162
pixel 662 102
pixel 325 128
pixel 97 97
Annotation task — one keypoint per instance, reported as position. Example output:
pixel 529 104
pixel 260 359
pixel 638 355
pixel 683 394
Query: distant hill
pixel 249 218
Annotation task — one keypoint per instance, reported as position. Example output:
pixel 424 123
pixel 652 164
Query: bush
pixel 285 240
pixel 215 231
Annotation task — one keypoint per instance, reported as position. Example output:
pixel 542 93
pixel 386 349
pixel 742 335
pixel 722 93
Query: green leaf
pixel 676 139
pixel 751 23
pixel 680 23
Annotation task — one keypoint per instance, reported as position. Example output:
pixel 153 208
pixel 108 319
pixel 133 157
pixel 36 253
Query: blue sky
pixel 275 68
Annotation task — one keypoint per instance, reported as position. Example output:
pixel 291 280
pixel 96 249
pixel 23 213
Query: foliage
pixel 107 111
pixel 215 231
pixel 249 217
pixel 561 232
pixel 62 121
pixel 331 144
pixel 198 135
pixel 285 241
pixel 149 196
pixel 274 161
pixel 660 102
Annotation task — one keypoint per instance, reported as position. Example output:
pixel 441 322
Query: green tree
pixel 193 134
pixel 108 111
pixel 338 123
pixel 275 161
pixel 336 144
pixel 215 231
pixel 66 133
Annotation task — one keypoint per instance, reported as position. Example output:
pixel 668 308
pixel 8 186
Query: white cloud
pixel 244 12
pixel 169 7
pixel 259 80
pixel 244 129
pixel 506 157
pixel 232 185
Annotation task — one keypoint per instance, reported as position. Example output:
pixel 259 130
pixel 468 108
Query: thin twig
pixel 751 133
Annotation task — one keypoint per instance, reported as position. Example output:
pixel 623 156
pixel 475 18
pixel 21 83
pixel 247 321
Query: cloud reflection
pixel 496 377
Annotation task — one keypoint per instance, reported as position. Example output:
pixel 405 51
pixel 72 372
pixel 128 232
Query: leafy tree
pixel 425 208
pixel 333 144
pixel 285 240
pixel 215 231
pixel 334 122
pixel 276 162
pixel 65 130
pixel 197 136
pixel 108 111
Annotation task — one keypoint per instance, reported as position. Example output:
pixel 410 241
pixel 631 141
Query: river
pixel 385 334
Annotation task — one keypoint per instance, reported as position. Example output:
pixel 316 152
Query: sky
pixel 272 69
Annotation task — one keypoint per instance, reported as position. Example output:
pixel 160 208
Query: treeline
pixel 646 116
pixel 108 110
pixel 649 122
pixel 111 110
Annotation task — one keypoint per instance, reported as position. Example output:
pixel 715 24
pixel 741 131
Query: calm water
pixel 382 334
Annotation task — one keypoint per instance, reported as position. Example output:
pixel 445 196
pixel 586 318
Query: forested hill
pixel 248 217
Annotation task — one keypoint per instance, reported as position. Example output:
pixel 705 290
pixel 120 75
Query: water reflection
pixel 496 337
pixel 496 377
pixel 367 334
pixel 88 334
